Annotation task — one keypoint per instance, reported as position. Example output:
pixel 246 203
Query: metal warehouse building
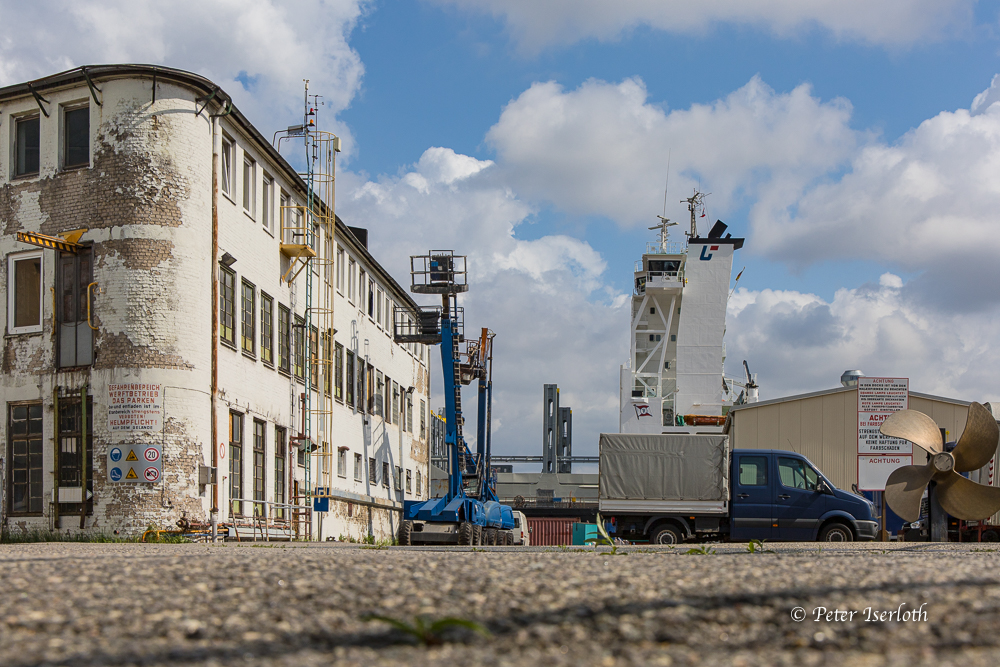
pixel 823 426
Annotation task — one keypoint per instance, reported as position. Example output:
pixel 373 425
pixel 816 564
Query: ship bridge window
pixel 662 265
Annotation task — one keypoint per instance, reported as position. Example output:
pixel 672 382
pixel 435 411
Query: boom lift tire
pixel 666 534
pixel 477 535
pixel 509 538
pixel 465 533
pixel 836 532
pixel 491 537
pixel 406 534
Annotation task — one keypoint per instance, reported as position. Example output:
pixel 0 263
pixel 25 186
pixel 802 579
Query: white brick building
pixel 182 283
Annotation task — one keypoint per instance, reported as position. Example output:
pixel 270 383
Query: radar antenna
pixel 695 202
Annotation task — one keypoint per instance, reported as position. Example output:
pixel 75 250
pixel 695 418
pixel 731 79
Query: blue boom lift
pixel 469 513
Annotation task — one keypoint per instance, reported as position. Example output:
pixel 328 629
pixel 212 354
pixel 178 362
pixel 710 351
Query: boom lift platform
pixel 469 513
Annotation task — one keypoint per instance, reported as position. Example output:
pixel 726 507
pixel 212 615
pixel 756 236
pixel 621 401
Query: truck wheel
pixel 836 532
pixel 405 534
pixel 666 535
pixel 465 533
pixel 990 536
pixel 509 541
pixel 477 535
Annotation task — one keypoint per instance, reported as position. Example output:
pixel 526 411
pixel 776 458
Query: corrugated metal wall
pixel 551 531
pixel 824 428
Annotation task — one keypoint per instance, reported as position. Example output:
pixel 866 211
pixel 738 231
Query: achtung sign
pixel 879 455
pixel 135 406
pixel 135 463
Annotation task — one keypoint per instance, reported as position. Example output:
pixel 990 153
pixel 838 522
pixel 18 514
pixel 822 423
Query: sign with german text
pixel 873 471
pixel 877 399
pixel 135 406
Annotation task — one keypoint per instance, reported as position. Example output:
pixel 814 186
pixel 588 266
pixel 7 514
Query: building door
pixel 72 453
pixel 751 509
pixel 75 337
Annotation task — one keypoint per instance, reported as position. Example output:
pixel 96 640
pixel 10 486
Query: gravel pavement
pixel 304 605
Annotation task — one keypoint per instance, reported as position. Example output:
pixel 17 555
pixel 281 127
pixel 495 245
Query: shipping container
pixel 585 531
pixel 551 531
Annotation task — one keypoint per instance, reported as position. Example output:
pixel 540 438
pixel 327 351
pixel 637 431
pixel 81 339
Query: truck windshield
pixel 795 474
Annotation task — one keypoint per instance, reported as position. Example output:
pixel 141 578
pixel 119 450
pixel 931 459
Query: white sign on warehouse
pixel 135 406
pixel 879 455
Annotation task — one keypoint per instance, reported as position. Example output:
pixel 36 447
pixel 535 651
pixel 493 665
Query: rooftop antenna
pixel 664 220
pixel 694 202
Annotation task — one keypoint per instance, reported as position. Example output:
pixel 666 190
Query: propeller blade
pixel 916 427
pixel 967 500
pixel 904 489
pixel 978 443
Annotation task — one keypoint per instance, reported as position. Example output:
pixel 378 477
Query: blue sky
pixel 842 139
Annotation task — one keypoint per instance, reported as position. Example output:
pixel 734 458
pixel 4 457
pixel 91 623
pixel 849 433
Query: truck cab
pixel 781 496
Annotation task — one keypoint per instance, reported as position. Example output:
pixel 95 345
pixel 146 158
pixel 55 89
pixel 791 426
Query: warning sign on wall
pixel 135 463
pixel 879 455
pixel 135 406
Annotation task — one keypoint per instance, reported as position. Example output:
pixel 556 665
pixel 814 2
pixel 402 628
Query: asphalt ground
pixel 306 604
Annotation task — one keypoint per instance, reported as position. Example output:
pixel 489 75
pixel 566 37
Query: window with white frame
pixel 249 186
pixel 398 479
pixel 378 306
pixel 409 483
pixel 24 292
pixel 342 462
pixel 76 137
pixel 228 176
pixel 27 151
pixel 284 215
pixel 357 467
pixel 351 270
pixel 418 484
pixel 267 204
pixel 340 269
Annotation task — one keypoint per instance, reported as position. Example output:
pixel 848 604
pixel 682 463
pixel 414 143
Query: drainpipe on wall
pixel 216 149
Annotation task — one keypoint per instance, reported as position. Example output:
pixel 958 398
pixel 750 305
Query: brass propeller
pixel 958 496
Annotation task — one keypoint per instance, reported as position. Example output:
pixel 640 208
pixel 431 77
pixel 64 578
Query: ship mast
pixel 695 202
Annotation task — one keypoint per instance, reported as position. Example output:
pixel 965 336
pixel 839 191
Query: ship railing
pixel 668 248
pixel 658 279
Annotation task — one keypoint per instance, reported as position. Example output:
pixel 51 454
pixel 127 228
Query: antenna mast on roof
pixel 695 202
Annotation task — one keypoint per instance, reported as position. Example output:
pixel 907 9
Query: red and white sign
pixel 152 454
pixel 135 406
pixel 222 450
pixel 873 471
pixel 879 455
pixel 151 474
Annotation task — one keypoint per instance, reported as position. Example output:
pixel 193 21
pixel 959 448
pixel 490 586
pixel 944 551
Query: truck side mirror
pixel 823 487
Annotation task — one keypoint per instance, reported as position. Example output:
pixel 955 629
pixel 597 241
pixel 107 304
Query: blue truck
pixel 678 487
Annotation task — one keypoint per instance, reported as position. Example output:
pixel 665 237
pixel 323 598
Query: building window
pixel 227 175
pixel 338 372
pixel 342 462
pixel 351 269
pixel 370 389
pixel 76 137
pixel 418 484
pixel 314 353
pixel 259 431
pixel 284 339
pixel 385 474
pixel 340 269
pixel 280 453
pixel 227 306
pixel 235 463
pixel 267 204
pixel 350 379
pixel 398 479
pixel 249 186
pixel 357 467
pixel 70 454
pixel 24 292
pixel 75 336
pixel 372 471
pixel 409 412
pixel 330 363
pixel 266 329
pixel 423 420
pixel 408 485
pixel 378 306
pixel 388 314
pixel 299 361
pixel 249 308
pixel 395 402
pixel 379 398
pixel 26 146
pixel 371 299
pixel 24 481
pixel 284 216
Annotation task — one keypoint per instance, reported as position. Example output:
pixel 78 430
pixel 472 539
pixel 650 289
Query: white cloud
pixel 545 298
pixel 798 342
pixel 602 149
pixel 925 204
pixel 536 25
pixel 257 50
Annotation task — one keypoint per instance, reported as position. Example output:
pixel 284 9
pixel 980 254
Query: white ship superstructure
pixel 674 380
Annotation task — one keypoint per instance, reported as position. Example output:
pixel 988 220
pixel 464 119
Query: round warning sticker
pixel 151 454
pixel 115 454
pixel 151 474
pixel 222 450
pixel 116 473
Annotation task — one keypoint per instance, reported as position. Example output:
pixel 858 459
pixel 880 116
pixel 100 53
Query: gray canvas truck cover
pixel 668 467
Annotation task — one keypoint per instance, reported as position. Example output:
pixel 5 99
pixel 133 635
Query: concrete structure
pixel 823 426
pixel 181 315
pixel 674 378
pixel 557 432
